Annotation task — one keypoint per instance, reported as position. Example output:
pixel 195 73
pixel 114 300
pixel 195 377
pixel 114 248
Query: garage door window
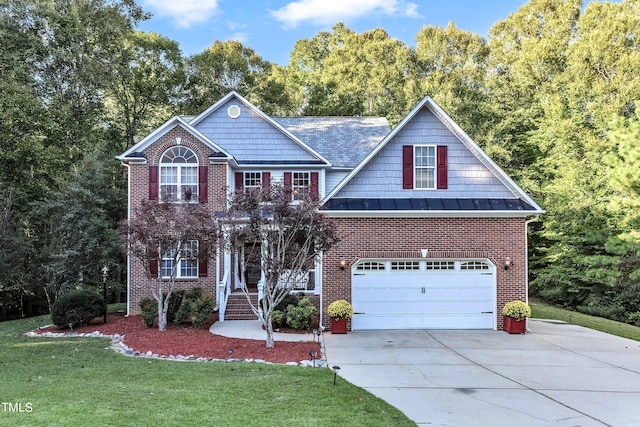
pixel 474 265
pixel 370 266
pixel 405 265
pixel 441 265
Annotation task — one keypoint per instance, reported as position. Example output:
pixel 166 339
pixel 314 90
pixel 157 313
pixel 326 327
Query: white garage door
pixel 412 294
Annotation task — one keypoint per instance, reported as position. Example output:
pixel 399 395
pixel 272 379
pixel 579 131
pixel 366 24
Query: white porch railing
pixel 224 289
pixel 295 282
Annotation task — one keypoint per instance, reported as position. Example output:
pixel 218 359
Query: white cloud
pixel 328 12
pixel 184 13
pixel 235 25
pixel 240 37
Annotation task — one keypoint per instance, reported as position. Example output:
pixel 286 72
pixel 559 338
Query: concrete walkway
pixel 252 330
pixel 555 375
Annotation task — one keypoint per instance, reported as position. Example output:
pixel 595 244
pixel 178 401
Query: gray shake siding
pixel 250 137
pixel 382 175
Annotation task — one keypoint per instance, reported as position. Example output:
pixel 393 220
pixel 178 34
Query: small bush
pixel 175 301
pixel 149 309
pixel 289 299
pixel 78 307
pixel 278 318
pixel 340 309
pixel 301 316
pixel 201 310
pixel 184 313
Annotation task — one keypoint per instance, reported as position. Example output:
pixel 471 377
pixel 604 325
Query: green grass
pixel 80 381
pixel 543 310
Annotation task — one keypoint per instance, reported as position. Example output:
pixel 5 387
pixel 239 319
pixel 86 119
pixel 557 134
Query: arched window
pixel 179 175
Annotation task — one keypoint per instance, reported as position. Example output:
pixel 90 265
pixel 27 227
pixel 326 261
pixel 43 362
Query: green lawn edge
pixel 543 310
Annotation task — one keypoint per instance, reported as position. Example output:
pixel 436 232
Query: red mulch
pixel 187 341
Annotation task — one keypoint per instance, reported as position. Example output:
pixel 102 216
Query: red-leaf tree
pixel 284 240
pixel 165 236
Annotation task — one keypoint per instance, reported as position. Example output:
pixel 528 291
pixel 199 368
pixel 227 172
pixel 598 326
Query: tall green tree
pixel 81 229
pixel 527 55
pixel 227 66
pixel 346 73
pixel 450 66
pixel 148 85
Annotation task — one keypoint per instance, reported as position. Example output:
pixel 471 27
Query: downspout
pixel 128 255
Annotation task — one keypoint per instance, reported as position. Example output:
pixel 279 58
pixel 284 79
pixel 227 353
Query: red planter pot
pixel 514 326
pixel 338 326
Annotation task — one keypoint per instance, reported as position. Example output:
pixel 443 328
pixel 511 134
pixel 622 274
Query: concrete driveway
pixel 555 375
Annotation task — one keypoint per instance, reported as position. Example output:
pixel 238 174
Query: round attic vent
pixel 233 111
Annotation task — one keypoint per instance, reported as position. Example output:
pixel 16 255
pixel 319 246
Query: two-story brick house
pixel 433 233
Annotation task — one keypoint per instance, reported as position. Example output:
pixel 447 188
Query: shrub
pixel 184 312
pixel 278 318
pixel 301 316
pixel 289 299
pixel 175 301
pixel 516 309
pixel 77 308
pixel 340 309
pixel 201 310
pixel 149 309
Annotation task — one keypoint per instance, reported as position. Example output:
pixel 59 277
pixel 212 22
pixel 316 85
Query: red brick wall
pixel 492 238
pixel 139 190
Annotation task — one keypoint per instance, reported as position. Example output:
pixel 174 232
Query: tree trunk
pixel 270 340
pixel 162 315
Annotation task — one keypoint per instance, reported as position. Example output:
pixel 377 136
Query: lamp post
pixel 105 275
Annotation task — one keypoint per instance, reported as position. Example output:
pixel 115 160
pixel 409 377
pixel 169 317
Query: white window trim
pixel 179 185
pixel 433 168
pixel 295 189
pixel 246 176
pixel 179 261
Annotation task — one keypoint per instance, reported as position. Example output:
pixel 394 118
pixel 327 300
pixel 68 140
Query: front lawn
pixel 80 381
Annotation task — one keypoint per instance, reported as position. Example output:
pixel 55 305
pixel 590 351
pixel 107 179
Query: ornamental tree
pixel 165 237
pixel 283 240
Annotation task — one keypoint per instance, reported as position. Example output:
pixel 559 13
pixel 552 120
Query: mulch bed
pixel 187 341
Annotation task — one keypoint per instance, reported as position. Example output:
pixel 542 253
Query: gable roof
pixel 134 152
pixel 482 157
pixel 320 159
pixel 345 141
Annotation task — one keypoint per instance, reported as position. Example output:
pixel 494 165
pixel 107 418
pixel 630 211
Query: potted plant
pixel 515 315
pixel 340 312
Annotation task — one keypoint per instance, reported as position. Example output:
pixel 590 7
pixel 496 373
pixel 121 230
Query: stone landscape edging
pixel 118 345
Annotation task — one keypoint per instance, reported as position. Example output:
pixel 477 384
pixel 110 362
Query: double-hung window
pixel 187 261
pixel 425 167
pixel 252 180
pixel 300 184
pixel 179 175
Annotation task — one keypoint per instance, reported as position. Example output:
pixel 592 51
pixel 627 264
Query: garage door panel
pixel 439 299
pixel 391 307
pixel 387 321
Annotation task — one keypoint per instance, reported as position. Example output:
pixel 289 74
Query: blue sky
pixel 271 27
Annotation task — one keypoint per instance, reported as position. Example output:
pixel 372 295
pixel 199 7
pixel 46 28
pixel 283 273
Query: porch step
pixel 238 308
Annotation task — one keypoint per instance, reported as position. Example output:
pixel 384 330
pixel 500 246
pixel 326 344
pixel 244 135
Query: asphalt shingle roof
pixel 344 141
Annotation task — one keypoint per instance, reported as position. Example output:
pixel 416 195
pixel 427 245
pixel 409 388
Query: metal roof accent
pixel 426 204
